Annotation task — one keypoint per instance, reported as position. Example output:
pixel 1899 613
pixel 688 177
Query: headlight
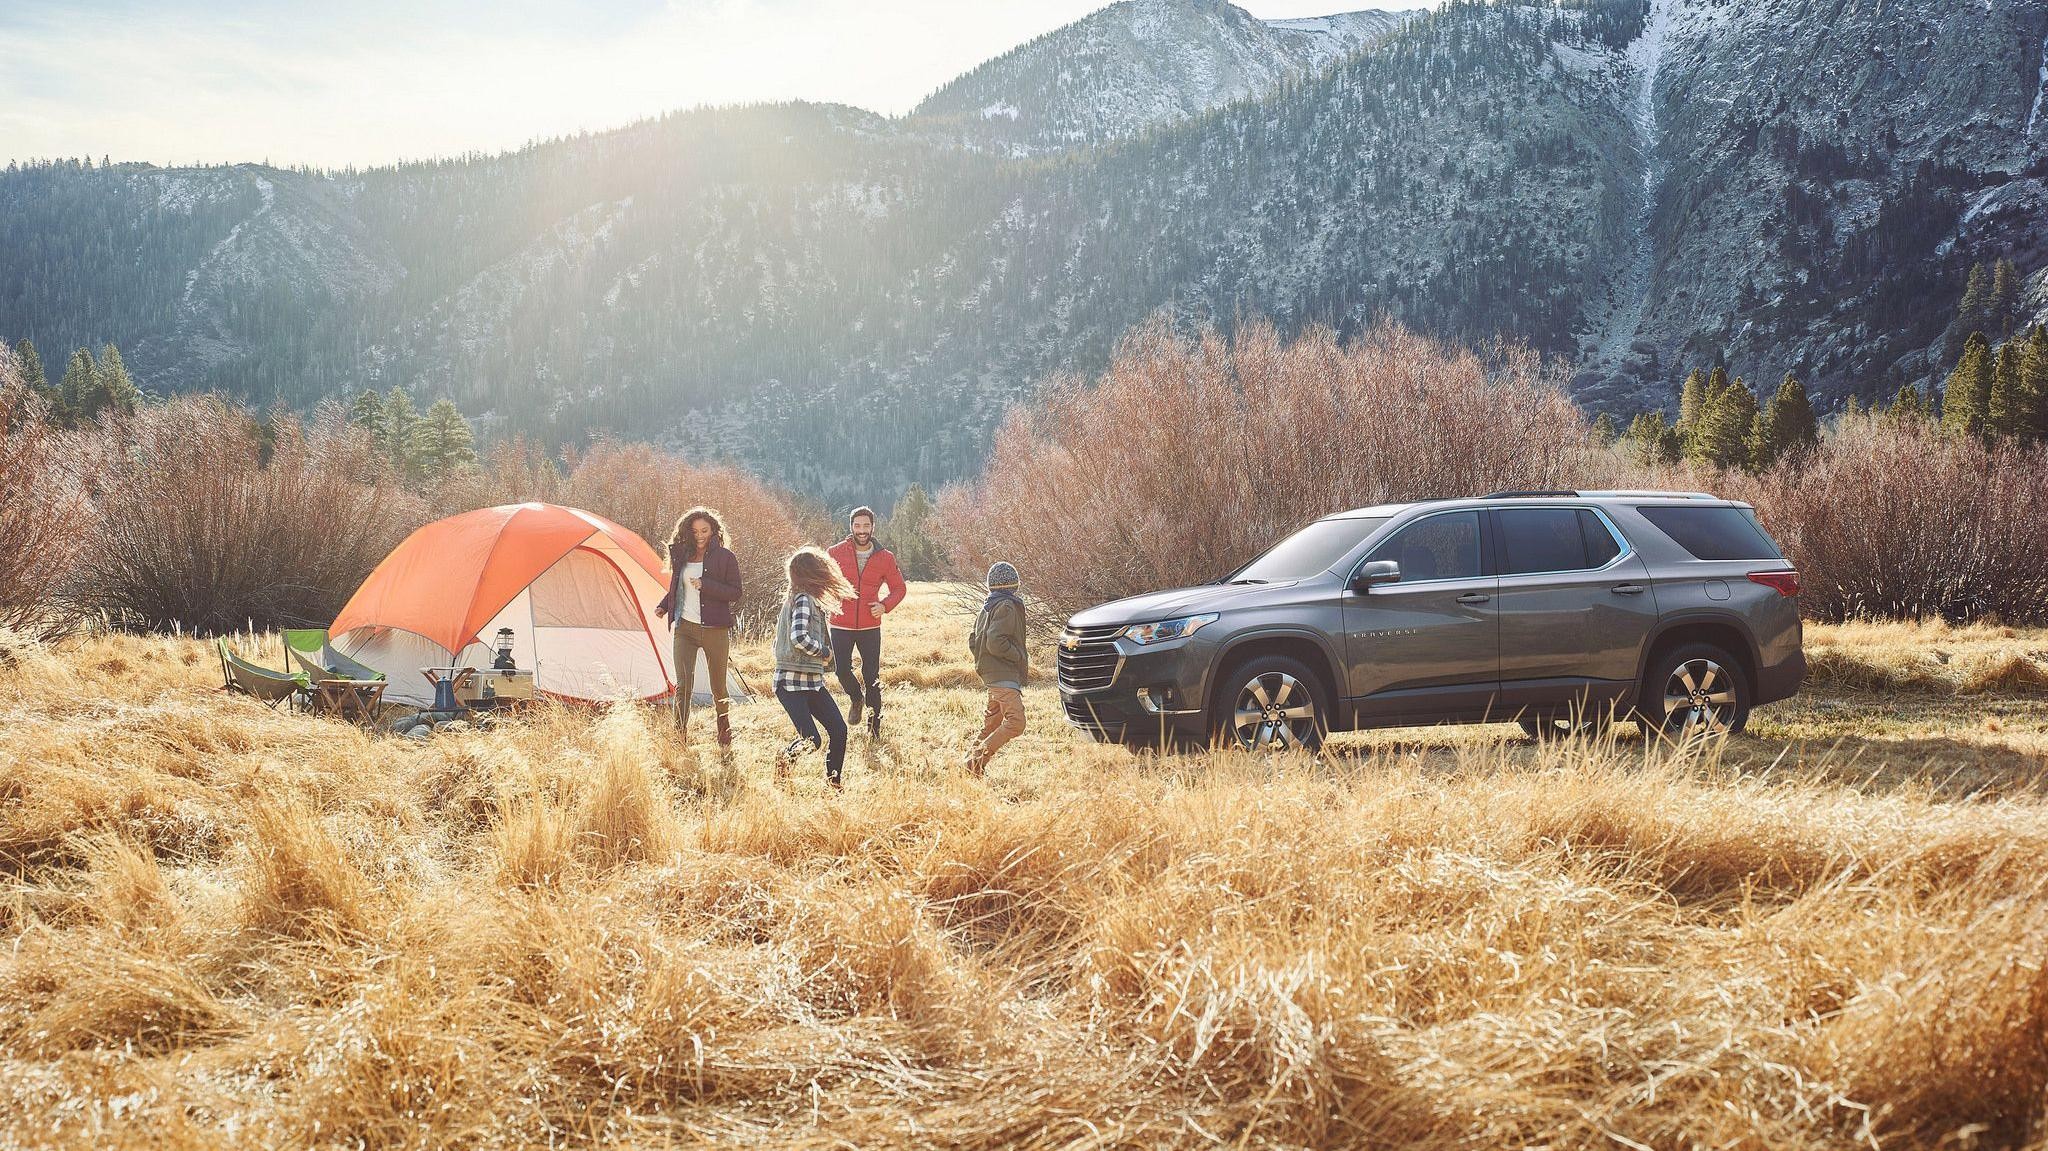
pixel 1166 629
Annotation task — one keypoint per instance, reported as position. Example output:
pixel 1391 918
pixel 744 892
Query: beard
pixel 863 539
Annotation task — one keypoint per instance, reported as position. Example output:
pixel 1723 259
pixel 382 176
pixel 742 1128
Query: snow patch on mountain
pixel 2040 91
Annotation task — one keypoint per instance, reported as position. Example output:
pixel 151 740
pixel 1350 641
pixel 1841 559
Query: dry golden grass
pixel 228 927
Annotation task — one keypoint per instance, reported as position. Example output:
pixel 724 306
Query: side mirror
pixel 1376 572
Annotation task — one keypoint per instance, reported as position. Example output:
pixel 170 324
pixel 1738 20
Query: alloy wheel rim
pixel 1275 711
pixel 1701 695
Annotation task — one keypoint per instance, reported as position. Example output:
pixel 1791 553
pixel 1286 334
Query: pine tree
pixel 445 441
pixel 1968 390
pixel 1786 425
pixel 1908 407
pixel 1692 398
pixel 79 387
pixel 1604 433
pixel 117 392
pixel 401 431
pixel 32 368
pixel 2006 410
pixel 2034 385
pixel 2004 298
pixel 1722 438
pixel 366 411
pixel 1973 313
pixel 910 535
pixel 1651 440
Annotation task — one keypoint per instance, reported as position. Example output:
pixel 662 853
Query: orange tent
pixel 577 590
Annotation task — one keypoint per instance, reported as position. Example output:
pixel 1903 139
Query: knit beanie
pixel 1001 575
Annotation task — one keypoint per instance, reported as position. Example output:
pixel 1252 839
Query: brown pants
pixel 1003 722
pixel 716 644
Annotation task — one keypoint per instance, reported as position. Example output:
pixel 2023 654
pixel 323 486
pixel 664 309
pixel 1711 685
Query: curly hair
pixel 682 542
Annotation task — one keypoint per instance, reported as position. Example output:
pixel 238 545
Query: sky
pixel 365 82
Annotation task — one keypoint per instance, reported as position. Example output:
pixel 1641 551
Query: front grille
pixel 1088 657
pixel 1081 714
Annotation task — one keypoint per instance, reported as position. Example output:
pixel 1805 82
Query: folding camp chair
pixel 308 647
pixel 250 679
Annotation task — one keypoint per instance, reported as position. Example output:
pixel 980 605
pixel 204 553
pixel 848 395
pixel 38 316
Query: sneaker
pixel 791 752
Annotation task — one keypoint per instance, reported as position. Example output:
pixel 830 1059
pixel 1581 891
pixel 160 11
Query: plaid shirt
pixel 800 638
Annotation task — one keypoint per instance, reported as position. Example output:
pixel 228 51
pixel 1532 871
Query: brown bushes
pixel 1191 455
pixel 189 524
pixel 41 512
pixel 1897 519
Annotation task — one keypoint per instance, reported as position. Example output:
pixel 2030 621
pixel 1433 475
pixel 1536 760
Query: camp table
pixel 348 698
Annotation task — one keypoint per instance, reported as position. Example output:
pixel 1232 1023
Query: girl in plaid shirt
pixel 803 654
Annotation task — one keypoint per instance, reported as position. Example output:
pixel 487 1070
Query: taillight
pixel 1784 583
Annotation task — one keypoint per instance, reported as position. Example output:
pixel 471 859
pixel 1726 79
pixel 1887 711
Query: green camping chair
pixel 272 687
pixel 308 647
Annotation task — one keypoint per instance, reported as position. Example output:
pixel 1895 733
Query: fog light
pixel 1158 699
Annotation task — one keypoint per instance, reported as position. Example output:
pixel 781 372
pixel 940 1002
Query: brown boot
pixel 724 723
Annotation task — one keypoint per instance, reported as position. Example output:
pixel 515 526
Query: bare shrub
pixel 1192 454
pixel 647 490
pixel 191 525
pixel 1900 520
pixel 42 513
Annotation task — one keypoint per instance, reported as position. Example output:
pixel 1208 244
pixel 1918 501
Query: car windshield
pixel 1310 551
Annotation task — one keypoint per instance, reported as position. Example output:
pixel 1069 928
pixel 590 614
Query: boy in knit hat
pixel 997 642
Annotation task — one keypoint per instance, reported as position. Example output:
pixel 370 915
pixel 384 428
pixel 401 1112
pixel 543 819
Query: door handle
pixel 1627 589
pixel 1473 597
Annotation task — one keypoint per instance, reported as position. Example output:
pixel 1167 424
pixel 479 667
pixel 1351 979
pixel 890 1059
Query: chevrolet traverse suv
pixel 1553 609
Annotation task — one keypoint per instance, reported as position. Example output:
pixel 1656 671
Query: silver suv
pixel 1555 609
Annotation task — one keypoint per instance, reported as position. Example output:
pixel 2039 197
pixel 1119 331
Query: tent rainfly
pixel 577 590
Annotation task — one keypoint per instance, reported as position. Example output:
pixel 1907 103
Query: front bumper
pixel 1147 690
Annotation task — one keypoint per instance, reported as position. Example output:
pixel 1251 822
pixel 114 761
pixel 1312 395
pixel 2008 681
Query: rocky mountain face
pixel 1131 67
pixel 848 302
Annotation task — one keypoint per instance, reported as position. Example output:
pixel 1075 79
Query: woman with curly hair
pixel 803 654
pixel 703 588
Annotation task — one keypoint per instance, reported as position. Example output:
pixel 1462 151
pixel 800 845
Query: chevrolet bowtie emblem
pixel 1070 642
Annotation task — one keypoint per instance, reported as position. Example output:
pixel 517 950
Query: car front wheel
pixel 1270 703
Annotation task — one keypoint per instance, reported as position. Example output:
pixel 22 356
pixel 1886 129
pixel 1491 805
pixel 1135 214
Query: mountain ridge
pixel 848 302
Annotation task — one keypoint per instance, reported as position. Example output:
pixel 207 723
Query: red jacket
pixel 854 614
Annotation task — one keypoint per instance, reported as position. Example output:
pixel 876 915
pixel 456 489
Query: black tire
pixel 1282 723
pixel 1692 688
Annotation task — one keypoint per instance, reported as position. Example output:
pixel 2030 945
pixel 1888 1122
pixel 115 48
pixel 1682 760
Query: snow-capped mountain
pixel 848 302
pixel 1133 66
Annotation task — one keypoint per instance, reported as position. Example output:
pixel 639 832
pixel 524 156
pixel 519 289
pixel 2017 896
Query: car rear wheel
pixel 1697 689
pixel 1270 703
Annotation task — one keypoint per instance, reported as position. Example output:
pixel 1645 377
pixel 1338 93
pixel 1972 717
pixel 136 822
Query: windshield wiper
pixel 1242 581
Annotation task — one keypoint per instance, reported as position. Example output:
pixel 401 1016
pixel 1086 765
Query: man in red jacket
pixel 870 568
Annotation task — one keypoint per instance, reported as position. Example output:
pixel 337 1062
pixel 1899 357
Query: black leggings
pixel 807 710
pixel 868 642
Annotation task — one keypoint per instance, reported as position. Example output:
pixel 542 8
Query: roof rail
pixel 1521 495
pixel 1646 493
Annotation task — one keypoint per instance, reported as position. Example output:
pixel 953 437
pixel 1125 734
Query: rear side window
pixel 1714 533
pixel 1600 546
pixel 1542 540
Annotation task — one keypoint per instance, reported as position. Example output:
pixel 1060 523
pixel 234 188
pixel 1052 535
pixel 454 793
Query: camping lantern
pixel 504 662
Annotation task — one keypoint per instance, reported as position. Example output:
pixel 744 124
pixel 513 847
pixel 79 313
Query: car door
pixel 1426 646
pixel 1575 604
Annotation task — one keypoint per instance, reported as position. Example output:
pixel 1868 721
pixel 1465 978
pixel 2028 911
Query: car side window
pixel 1600 546
pixel 1543 540
pixel 1441 547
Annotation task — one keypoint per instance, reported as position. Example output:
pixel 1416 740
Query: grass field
pixel 228 927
